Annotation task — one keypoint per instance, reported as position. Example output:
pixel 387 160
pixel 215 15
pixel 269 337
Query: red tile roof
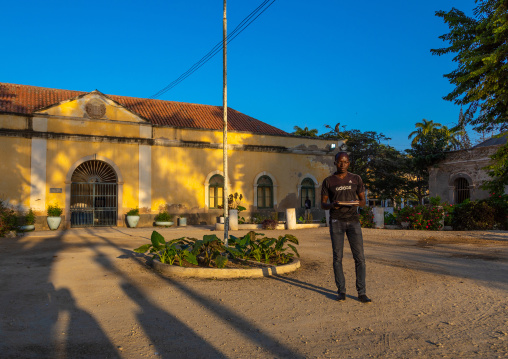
pixel 23 99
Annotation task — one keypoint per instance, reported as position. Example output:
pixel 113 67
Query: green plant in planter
pixel 133 212
pixel 30 217
pixel 211 250
pixel 54 210
pixel 164 216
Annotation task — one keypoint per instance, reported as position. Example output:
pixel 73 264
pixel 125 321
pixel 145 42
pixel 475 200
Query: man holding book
pixel 342 193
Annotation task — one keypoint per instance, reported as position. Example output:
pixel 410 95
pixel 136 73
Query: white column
pixel 233 219
pixel 38 174
pixel 145 176
pixel 290 218
pixel 379 217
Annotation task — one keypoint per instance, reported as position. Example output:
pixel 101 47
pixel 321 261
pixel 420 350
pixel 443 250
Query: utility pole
pixel 225 116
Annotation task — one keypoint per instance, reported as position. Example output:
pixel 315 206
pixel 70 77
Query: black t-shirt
pixel 344 190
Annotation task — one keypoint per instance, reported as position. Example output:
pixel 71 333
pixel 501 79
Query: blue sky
pixel 366 65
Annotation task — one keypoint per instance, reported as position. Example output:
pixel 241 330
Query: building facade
pixel 97 156
pixel 460 175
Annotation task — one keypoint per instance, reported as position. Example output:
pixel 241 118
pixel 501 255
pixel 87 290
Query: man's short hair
pixel 342 153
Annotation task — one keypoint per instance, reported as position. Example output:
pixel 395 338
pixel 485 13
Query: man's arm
pixel 324 203
pixel 362 202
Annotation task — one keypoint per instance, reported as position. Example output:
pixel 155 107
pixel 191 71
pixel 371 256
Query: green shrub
pixel 269 223
pixel 367 217
pixel 471 215
pixel 421 217
pixel 54 210
pixel 133 212
pixel 30 217
pixel 8 219
pixel 499 202
pixel 390 219
pixel 163 216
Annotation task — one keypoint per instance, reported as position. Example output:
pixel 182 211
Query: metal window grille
pixel 461 190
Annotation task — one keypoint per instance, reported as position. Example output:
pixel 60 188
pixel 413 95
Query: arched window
pixel 265 192
pixel 461 190
pixel 308 190
pixel 216 191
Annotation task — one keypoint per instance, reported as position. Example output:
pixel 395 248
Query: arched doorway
pixel 94 195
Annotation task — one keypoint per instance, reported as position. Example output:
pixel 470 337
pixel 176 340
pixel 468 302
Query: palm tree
pixel 423 128
pixel 451 136
pixel 305 132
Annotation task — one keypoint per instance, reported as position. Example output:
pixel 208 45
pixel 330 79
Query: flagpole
pixel 225 131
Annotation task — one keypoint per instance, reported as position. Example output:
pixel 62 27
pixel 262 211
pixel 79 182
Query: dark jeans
pixel 353 230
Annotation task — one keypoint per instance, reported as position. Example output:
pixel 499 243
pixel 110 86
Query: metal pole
pixel 225 131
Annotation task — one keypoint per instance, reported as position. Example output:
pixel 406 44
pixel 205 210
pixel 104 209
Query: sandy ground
pixel 83 293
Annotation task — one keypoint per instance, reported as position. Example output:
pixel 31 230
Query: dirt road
pixel 85 294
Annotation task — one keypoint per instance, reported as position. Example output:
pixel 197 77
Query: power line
pixel 249 19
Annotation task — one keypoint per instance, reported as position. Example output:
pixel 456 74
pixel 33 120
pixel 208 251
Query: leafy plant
pixel 54 210
pixel 422 217
pixel 435 201
pixel 211 250
pixel 133 212
pixel 164 216
pixel 7 219
pixel 499 202
pixel 30 217
pixel 390 219
pixel 269 223
pixel 168 252
pixel 367 217
pixel 471 215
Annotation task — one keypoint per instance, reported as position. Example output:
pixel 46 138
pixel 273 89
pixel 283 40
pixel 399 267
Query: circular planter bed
pixel 260 270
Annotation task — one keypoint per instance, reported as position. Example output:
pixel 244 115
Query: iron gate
pixel 93 204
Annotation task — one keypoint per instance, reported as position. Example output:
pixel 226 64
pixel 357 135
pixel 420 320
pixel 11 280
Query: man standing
pixel 345 192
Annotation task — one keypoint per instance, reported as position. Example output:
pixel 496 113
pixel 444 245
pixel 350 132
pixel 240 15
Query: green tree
pixel 429 148
pixel 305 132
pixel 481 78
pixel 498 170
pixel 378 164
pixel 422 129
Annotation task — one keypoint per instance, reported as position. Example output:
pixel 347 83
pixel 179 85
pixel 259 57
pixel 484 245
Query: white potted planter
pixel 28 227
pixel 132 221
pixel 132 217
pixel 54 219
pixel 164 219
pixel 54 222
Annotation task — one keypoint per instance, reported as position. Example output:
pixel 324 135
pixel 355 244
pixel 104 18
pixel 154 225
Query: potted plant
pixel 133 217
pixel 29 221
pixel 54 219
pixel 164 219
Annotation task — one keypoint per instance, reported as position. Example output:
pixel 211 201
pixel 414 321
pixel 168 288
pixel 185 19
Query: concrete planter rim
pixel 224 273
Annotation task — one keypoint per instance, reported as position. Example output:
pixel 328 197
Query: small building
pixel 460 175
pixel 97 156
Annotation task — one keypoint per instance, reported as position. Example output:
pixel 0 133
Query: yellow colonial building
pixel 98 156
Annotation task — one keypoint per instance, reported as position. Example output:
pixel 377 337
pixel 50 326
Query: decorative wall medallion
pixel 95 108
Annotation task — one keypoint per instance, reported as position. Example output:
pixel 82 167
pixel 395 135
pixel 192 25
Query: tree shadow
pixel 34 314
pixel 150 312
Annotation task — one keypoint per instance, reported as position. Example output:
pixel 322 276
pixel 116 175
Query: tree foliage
pixel 378 164
pixel 481 78
pixel 305 132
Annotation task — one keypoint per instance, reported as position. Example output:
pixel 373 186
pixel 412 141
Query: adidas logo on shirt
pixel 342 188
